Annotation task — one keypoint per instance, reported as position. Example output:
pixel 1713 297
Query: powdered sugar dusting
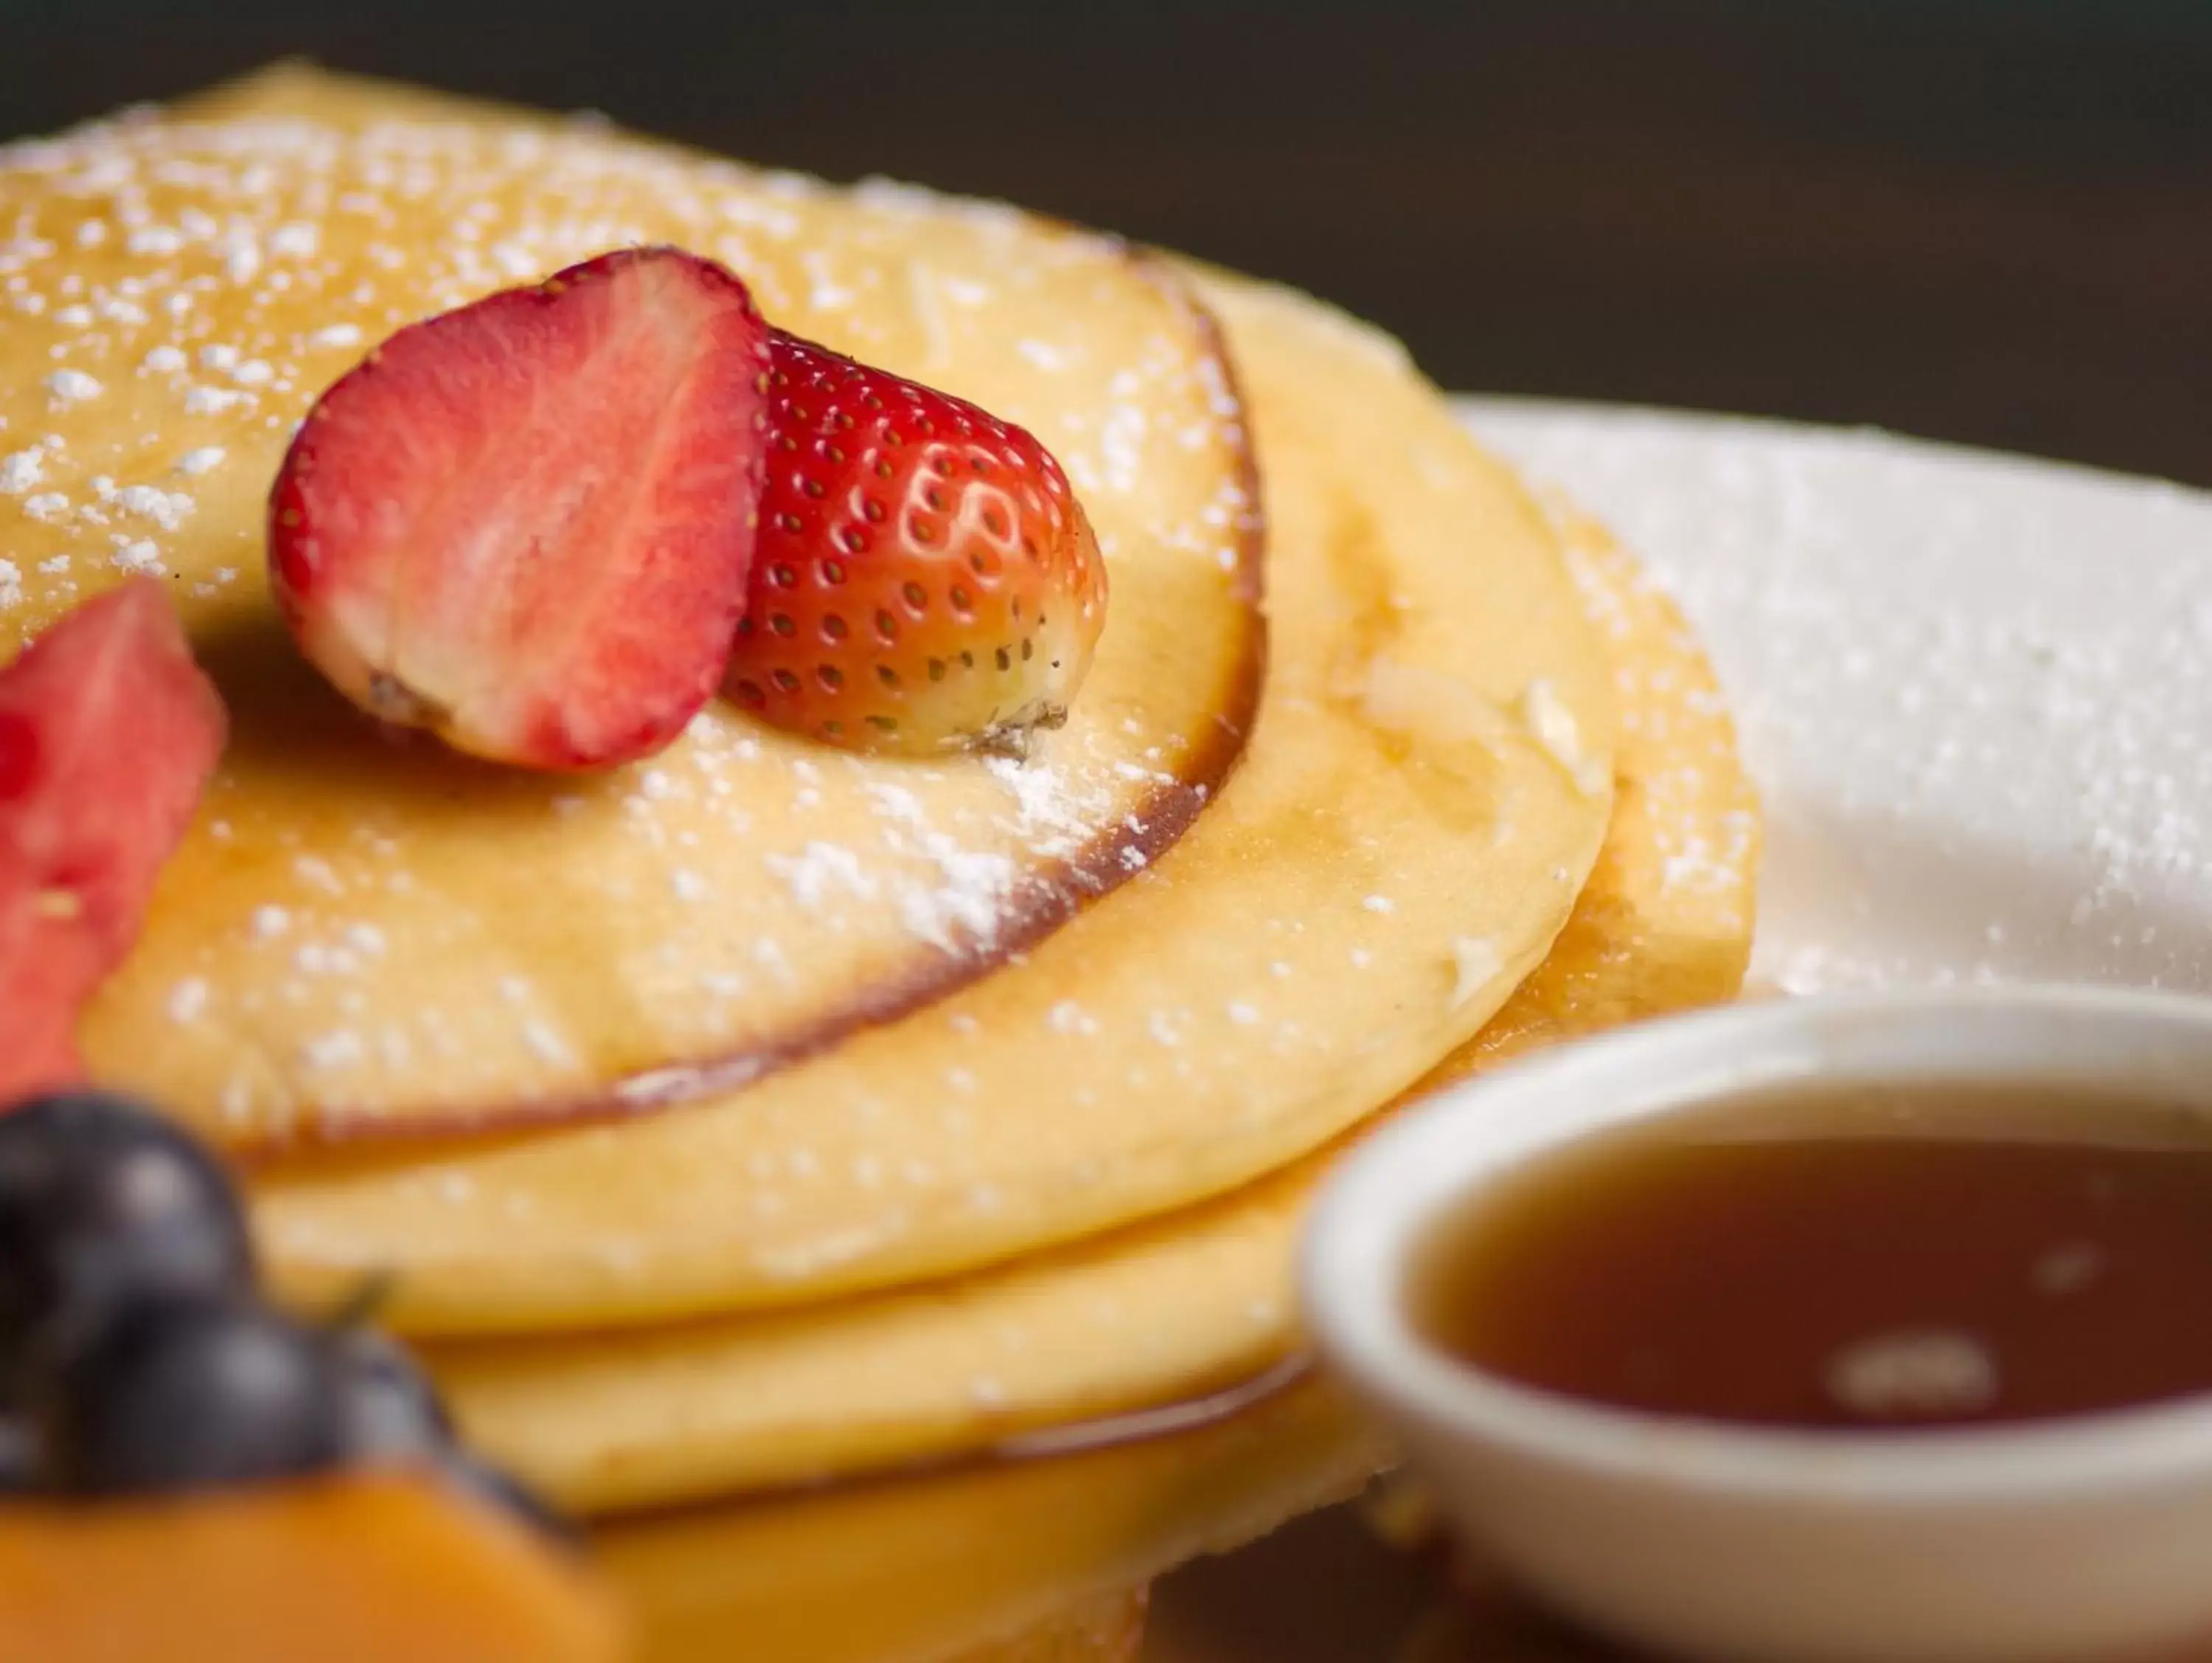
pixel 1475 963
pixel 21 471
pixel 819 869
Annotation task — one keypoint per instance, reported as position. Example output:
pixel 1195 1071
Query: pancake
pixel 363 935
pixel 1106 1628
pixel 1426 789
pixel 1666 922
pixel 925 1570
pixel 1186 1304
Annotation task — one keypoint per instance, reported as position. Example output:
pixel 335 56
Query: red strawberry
pixel 925 579
pixel 108 731
pixel 527 524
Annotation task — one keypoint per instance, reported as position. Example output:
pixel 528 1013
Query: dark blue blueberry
pixel 103 1205
pixel 187 1393
pixel 388 1407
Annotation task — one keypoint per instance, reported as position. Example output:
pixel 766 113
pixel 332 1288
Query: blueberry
pixel 185 1393
pixel 387 1405
pixel 102 1204
pixel 480 1478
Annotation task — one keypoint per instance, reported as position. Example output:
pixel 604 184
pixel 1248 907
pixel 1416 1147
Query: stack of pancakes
pixel 865 1188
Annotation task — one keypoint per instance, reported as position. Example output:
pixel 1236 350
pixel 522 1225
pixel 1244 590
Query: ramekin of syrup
pixel 1877 1328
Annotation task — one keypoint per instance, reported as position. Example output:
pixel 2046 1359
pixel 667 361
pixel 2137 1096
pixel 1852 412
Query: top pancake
pixel 365 933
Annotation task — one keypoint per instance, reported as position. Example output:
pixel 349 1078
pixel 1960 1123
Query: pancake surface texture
pixel 1188 1303
pixel 1423 797
pixel 360 932
pixel 921 1570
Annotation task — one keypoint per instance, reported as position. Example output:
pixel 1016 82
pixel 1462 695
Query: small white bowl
pixel 2086 1538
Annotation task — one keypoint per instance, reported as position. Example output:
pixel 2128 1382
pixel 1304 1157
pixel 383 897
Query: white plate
pixel 1975 690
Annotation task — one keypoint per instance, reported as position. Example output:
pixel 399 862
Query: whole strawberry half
pixel 924 580
pixel 527 524
pixel 108 732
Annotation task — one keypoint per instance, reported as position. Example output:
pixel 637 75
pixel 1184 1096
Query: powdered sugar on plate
pixel 1975 690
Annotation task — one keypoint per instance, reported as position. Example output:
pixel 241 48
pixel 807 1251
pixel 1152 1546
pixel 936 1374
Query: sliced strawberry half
pixel 925 579
pixel 108 732
pixel 527 525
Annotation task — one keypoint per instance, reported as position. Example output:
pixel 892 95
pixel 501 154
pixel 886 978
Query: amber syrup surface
pixel 1848 1259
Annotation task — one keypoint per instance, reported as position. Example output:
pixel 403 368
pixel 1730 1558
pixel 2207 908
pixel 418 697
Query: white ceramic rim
pixel 1379 1204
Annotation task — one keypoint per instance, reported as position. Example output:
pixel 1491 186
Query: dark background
pixel 1984 220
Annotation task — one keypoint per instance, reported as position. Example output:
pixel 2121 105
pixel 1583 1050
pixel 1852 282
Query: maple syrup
pixel 1833 1257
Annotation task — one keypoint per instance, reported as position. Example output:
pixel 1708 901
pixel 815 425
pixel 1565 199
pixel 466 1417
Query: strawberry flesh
pixel 108 733
pixel 527 525
pixel 925 579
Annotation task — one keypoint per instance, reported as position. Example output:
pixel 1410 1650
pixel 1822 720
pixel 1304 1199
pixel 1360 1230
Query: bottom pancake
pixel 1183 1304
pixel 1104 1628
pixel 975 1564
